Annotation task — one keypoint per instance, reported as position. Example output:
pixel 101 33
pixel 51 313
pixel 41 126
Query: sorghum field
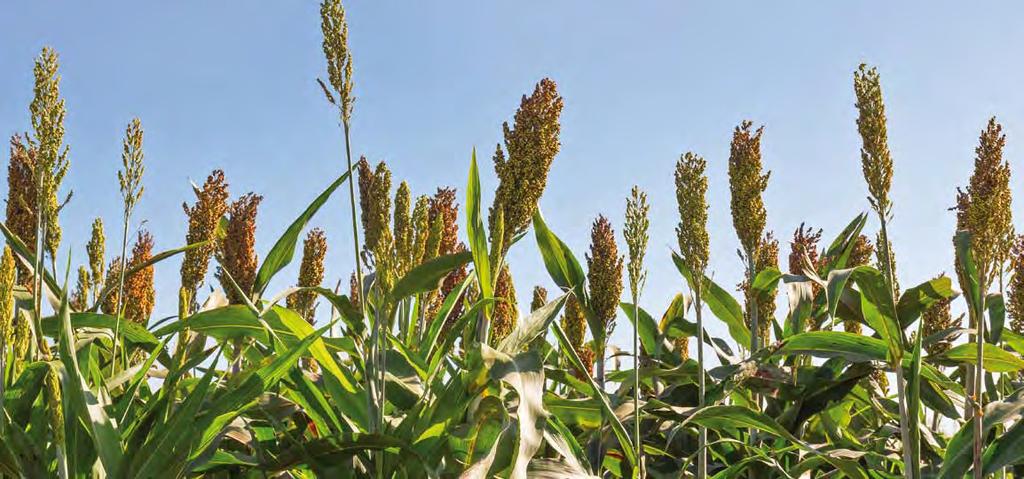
pixel 426 367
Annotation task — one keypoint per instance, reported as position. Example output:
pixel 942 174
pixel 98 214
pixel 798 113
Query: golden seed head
pixel 445 206
pixel 871 123
pixel 746 184
pixel 139 293
pixel 682 346
pixel 237 250
pixel 21 195
pixel 96 248
pixel 375 202
pixel 604 272
pixel 1015 290
pixel 505 311
pixel 80 297
pixel 691 192
pixel 574 322
pixel 130 177
pixel 984 209
pixel 420 229
pixel 433 245
pixel 540 298
pixel 339 57
pixel 532 143
pixel 7 282
pixel 403 229
pixel 862 252
pixel 636 236
pixel 110 283
pixel 203 218
pixel 311 274
pixel 804 249
pixel 54 408
pixel 587 356
pixel 937 318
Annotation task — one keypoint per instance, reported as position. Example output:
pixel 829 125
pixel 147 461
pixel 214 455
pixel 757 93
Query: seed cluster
pixel 203 219
pixel 532 143
pixel 604 273
pixel 871 123
pixel 237 251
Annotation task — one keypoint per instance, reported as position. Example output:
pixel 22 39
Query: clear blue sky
pixel 231 85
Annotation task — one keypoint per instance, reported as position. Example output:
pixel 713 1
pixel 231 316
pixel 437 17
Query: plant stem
pixel 702 458
pixel 979 374
pixel 638 446
pixel 120 291
pixel 909 469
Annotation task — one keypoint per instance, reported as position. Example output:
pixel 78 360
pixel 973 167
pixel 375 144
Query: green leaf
pixel 965 260
pixel 877 307
pixel 80 402
pixel 617 428
pixel 527 329
pixel 919 298
pixel 996 317
pixel 720 302
pixel 997 360
pixel 914 407
pixel 959 452
pixel 838 252
pixel 565 271
pixel 647 329
pixel 476 232
pixel 428 276
pixel 829 344
pixel 284 249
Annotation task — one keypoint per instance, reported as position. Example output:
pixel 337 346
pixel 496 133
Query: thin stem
pixel 636 382
pixel 901 387
pixel 979 374
pixel 120 291
pixel 702 458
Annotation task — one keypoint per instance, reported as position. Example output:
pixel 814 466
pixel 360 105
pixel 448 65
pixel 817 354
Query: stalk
pixel 979 373
pixel 120 290
pixel 702 458
pixel 908 468
pixel 636 382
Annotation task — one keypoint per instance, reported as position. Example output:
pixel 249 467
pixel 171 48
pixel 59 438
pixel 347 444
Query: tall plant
pixel 692 235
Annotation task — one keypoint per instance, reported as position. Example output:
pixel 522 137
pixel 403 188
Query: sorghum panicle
pixel 80 297
pixel 636 236
pixel 937 318
pixel 109 305
pixel 339 57
pixel 532 143
pixel 1015 290
pixel 420 228
pixel 21 196
pixel 574 323
pixel 48 112
pixel 403 229
pixel 803 249
pixel 311 274
pixel 871 123
pixel 96 249
pixel 444 205
pixel 139 292
pixel 767 257
pixel 130 177
pixel 986 203
pixel 237 250
pixel 505 311
pixel 8 275
pixel 540 298
pixel 375 202
pixel 692 230
pixel 604 273
pixel 746 184
pixel 203 218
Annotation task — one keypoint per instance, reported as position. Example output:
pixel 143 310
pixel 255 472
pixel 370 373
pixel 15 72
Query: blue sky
pixel 231 85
